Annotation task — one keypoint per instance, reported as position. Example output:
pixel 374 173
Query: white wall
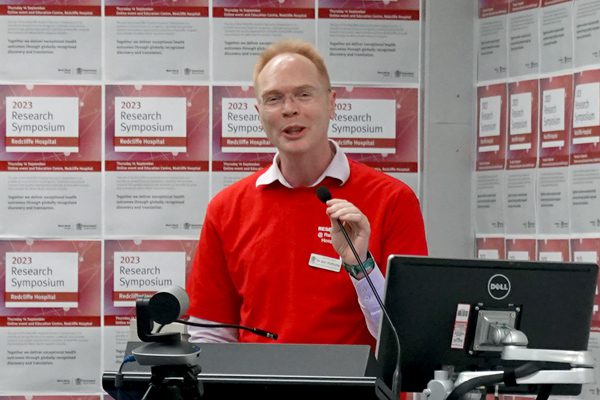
pixel 448 126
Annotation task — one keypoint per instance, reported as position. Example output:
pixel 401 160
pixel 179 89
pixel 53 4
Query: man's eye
pixel 272 99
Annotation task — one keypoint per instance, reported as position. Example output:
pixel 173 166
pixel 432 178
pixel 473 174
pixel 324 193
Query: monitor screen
pixel 435 305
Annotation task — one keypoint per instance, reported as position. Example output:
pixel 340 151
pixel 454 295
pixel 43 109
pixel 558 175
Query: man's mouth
pixel 293 130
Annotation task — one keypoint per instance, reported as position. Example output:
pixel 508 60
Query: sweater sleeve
pixel 212 293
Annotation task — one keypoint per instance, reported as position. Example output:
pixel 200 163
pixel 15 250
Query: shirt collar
pixel 338 168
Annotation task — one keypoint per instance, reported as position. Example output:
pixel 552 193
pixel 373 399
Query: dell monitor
pixel 438 305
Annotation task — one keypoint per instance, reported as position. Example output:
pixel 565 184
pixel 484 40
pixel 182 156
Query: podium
pixel 268 371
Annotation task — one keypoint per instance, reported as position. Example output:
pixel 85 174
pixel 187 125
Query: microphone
pixel 170 305
pixel 325 195
pixel 256 331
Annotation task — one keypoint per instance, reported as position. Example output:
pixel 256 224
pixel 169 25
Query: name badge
pixel 324 262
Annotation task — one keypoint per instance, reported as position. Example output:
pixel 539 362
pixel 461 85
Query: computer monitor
pixel 551 303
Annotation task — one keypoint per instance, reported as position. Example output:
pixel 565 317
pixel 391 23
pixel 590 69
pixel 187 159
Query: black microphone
pixel 256 331
pixel 169 305
pixel 325 195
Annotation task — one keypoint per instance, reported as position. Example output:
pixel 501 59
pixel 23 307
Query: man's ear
pixel 332 98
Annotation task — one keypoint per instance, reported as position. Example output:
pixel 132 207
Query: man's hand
pixel 356 224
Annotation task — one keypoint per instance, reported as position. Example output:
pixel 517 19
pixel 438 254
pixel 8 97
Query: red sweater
pixel 251 264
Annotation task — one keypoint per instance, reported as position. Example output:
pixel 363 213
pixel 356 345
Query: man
pixel 269 252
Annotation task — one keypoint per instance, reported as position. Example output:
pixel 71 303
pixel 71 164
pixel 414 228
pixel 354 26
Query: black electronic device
pixel 446 312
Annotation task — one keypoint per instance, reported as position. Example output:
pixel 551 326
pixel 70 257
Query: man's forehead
pixel 288 62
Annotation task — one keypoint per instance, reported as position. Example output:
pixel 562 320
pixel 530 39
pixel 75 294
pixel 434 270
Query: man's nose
pixel 290 105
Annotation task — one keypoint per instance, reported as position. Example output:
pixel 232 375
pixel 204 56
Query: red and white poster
pixel 50 316
pixel 242 29
pixel 523 124
pixel 556 35
pixel 556 101
pixel 376 126
pixel 492 46
pixel 50 40
pixel 553 248
pixel 585 143
pixel 133 268
pixel 157 40
pixel 370 42
pixel 50 164
pixel 521 248
pixel 523 33
pixel 156 159
pixel 379 127
pixel 239 143
pixel 491 129
pixel 490 247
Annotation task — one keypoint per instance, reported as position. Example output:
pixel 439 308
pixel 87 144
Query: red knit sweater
pixel 251 264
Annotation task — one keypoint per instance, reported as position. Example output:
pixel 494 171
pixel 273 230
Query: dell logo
pixel 498 287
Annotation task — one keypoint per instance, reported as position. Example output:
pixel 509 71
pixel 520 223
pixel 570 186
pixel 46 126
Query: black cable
pixel 324 196
pixel 489 380
pixel 396 377
pixel 256 331
pixel 544 392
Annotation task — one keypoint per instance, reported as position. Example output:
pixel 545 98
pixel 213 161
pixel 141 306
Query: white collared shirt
pixel 338 168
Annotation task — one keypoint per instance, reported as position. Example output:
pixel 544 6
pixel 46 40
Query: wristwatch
pixel 356 272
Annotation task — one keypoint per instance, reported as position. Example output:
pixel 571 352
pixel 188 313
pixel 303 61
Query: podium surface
pixel 269 371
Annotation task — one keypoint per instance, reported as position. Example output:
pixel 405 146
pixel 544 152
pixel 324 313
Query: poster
pixel 376 126
pixel 157 40
pixel 239 143
pixel 491 128
pixel 522 146
pixel 243 29
pixel 553 200
pixel 586 118
pixel 490 247
pixel 379 39
pixel 492 46
pixel 48 40
pixel 489 200
pixel 156 159
pixel 380 128
pixel 520 201
pixel 50 316
pixel 585 197
pixel 133 268
pixel 521 248
pixel 556 102
pixel 587 32
pixel 50 165
pixel 553 248
pixel 523 33
pixel 556 27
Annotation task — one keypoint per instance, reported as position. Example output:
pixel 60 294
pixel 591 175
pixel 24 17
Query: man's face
pixel 294 105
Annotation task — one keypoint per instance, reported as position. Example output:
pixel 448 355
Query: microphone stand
pixel 396 378
pixel 324 195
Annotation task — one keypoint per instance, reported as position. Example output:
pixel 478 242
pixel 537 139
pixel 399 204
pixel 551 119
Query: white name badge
pixel 324 262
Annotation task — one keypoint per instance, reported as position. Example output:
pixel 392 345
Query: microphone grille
pixel 323 194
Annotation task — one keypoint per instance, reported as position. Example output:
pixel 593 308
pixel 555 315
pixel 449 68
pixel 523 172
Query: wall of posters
pixel 120 120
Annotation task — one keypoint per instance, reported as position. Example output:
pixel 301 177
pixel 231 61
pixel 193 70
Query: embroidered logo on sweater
pixel 324 234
